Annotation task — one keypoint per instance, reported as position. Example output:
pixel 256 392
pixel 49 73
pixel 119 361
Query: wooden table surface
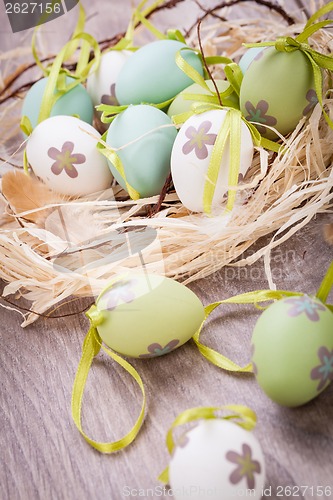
pixel 42 454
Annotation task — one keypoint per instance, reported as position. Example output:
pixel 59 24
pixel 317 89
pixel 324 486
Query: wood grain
pixel 44 457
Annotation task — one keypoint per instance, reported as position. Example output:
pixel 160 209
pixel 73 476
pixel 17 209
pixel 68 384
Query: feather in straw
pixel 27 196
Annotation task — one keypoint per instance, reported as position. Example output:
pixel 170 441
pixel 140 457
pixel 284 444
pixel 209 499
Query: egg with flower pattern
pixel 62 152
pixel 145 315
pixel 293 350
pixel 191 156
pixel 278 90
pixel 219 460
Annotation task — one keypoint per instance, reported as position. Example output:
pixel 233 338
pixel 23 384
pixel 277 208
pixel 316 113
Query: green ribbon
pixel 240 414
pixel 256 298
pixel 318 60
pixel 229 131
pixel 91 347
pixel 56 85
pixel 114 158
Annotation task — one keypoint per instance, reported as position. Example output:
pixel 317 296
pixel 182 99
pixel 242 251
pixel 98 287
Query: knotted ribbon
pixel 318 60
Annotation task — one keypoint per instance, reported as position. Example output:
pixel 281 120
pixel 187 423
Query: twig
pixel 206 65
pixel 157 207
pixel 48 315
pixel 231 3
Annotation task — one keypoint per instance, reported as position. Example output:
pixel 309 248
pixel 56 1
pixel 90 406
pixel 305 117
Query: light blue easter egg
pixel 75 102
pixel 248 57
pixel 151 74
pixel 146 161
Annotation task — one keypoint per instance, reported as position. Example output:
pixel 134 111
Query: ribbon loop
pixel 91 347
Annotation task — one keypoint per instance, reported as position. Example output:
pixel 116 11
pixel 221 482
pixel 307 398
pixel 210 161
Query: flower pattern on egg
pixel 110 100
pixel 304 305
pixel 199 139
pixel 246 466
pixel 312 98
pixel 324 371
pixel 65 160
pixel 120 292
pixel 259 114
pixel 155 349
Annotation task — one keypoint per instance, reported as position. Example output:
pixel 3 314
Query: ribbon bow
pixel 318 60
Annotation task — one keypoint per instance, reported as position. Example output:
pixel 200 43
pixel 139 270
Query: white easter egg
pixel 63 154
pixel 102 82
pixel 217 460
pixel 191 156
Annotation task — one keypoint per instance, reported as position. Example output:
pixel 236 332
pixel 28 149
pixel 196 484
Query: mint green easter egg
pixel 146 147
pixel 182 105
pixel 75 102
pixel 248 57
pixel 293 350
pixel 145 315
pixel 151 74
pixel 278 90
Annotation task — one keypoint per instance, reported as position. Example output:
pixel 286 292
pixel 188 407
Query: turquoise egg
pixel 146 148
pixel 151 74
pixel 75 102
pixel 249 57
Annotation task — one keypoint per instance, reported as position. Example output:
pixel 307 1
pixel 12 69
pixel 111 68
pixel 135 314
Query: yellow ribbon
pixel 242 416
pixel 91 347
pixel 255 298
pixel 326 285
pixel 318 61
pixel 114 158
pixel 230 129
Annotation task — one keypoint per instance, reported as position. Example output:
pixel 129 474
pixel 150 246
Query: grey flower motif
pixel 259 55
pixel 324 371
pixel 110 100
pixel 258 114
pixel 311 96
pixel 246 466
pixel 199 139
pixel 120 292
pixel 157 350
pixel 304 304
pixel 65 159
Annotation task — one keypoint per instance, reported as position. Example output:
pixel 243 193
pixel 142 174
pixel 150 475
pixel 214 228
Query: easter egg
pixel 218 460
pixel 74 102
pixel 248 57
pixel 182 105
pixel 293 350
pixel 146 136
pixel 278 90
pixel 62 152
pixel 101 83
pixel 191 156
pixel 151 74
pixel 145 316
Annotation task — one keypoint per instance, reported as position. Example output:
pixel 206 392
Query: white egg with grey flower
pixel 62 152
pixel 101 82
pixel 217 460
pixel 191 156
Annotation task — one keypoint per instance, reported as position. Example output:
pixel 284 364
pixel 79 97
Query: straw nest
pixel 52 248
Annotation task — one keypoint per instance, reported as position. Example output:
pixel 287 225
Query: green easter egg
pixel 144 316
pixel 182 105
pixel 293 350
pixel 151 74
pixel 146 147
pixel 75 102
pixel 278 90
